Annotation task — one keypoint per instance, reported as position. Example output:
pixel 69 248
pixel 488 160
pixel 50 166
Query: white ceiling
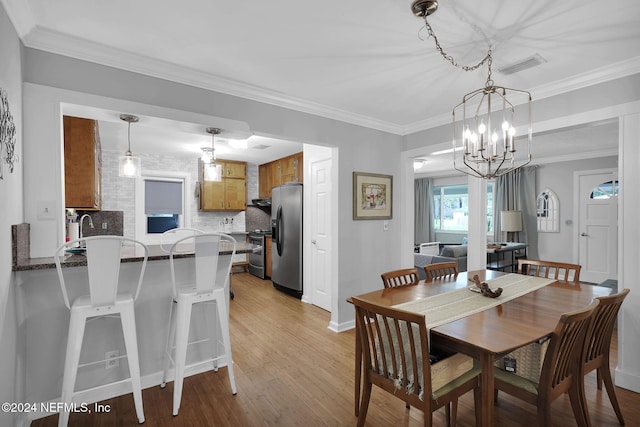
pixel 358 61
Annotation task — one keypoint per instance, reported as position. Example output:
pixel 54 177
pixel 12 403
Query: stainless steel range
pixel 257 259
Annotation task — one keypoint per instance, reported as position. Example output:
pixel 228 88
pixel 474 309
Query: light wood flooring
pixel 293 371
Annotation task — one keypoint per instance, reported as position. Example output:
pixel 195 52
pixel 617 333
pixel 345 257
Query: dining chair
pixel 396 352
pixel 207 284
pixel 402 277
pixel 564 272
pixel 441 270
pixel 598 346
pixel 560 370
pixel 104 299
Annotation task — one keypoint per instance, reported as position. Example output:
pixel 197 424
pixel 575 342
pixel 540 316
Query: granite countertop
pixel 129 254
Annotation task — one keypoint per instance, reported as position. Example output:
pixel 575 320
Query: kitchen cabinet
pixel 280 171
pixel 267 248
pixel 230 194
pixel 82 163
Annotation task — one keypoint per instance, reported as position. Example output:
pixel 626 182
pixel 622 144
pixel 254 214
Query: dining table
pixel 494 328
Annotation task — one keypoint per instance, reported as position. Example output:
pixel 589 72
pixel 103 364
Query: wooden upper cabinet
pixel 82 163
pixel 230 194
pixel 281 171
pixel 232 169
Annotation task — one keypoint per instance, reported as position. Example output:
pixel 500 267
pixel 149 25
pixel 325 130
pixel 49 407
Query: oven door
pixel 257 257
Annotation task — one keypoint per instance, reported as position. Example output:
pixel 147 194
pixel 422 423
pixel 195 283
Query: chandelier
pixel 484 134
pixel 128 165
pixel 211 170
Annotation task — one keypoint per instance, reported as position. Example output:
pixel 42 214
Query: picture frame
pixel 372 196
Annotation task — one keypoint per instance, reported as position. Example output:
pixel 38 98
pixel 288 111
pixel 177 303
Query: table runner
pixel 454 305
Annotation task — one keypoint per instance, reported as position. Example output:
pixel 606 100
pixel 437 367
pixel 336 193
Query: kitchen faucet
pixel 82 220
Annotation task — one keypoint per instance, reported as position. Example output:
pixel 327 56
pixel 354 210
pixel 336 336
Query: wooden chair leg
pixel 611 391
pixel 364 404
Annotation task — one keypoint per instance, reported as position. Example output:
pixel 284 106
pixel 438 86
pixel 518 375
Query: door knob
pixel 584 234
pixel 314 242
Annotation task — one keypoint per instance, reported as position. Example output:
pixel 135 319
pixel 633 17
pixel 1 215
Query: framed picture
pixel 372 196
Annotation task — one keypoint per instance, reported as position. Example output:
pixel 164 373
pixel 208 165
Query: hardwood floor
pixel 293 371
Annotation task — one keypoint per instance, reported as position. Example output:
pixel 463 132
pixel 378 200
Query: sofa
pixel 448 253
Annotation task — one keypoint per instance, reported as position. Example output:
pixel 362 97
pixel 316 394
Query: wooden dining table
pixel 493 332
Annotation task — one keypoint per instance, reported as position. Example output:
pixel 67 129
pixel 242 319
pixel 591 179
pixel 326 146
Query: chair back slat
pixel 394 346
pixel 604 319
pixel 441 270
pixel 565 272
pixel 566 347
pixel 402 277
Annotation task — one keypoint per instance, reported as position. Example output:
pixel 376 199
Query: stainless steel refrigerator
pixel 286 238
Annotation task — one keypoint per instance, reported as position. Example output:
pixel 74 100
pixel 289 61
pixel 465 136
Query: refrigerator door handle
pixel 279 230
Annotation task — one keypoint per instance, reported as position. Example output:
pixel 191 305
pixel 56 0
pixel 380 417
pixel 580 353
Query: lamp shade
pixel 511 221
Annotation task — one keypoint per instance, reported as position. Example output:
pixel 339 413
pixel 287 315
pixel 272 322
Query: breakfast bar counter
pixel 44 321
pixel 129 254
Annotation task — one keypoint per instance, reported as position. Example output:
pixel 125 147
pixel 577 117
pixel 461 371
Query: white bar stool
pixel 103 267
pixel 210 286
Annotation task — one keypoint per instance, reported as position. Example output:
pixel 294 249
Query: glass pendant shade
pixel 212 172
pixel 129 166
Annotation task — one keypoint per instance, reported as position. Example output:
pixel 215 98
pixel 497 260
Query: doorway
pixel 597 224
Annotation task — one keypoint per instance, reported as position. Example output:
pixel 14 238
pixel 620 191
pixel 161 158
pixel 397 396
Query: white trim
pixel 63 44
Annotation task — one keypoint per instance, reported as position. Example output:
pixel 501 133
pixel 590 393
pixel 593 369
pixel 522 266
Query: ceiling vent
pixel 530 62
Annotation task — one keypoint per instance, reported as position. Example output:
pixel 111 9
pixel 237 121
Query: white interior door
pixel 598 225
pixel 320 212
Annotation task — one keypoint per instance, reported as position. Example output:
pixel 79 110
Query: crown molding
pixel 20 15
pixel 63 44
pixel 599 75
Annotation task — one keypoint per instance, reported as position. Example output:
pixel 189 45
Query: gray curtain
pixel 517 191
pixel 423 211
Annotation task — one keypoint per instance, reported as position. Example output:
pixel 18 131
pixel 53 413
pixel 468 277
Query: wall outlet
pixel 111 359
pixel 104 225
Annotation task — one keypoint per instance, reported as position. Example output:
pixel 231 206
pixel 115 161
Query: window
pixel 163 203
pixel 548 212
pixel 451 208
pixel 606 190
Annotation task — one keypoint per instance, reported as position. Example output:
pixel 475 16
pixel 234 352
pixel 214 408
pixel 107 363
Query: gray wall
pixel 558 177
pixel 11 205
pixel 364 249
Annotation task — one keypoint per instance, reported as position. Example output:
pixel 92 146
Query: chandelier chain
pixel 487 58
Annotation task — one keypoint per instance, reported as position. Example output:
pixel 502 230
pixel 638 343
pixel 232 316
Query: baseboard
pixel 109 391
pixel 626 380
pixel 341 327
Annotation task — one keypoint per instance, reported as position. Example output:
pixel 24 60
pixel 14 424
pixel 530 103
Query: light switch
pixel 385 225
pixel 46 210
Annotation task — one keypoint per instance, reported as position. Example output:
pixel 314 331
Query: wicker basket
pixel 529 360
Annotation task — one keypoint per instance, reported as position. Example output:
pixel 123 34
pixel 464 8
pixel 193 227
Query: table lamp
pixel 511 222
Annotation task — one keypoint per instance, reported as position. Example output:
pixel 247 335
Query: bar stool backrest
pixel 169 237
pixel 103 254
pixel 211 269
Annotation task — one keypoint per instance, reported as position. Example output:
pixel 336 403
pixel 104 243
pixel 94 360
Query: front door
pixel 598 225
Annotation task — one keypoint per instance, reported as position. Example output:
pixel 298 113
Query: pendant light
pixel 129 166
pixel 484 143
pixel 212 170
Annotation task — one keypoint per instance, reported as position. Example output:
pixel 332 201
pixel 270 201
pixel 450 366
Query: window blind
pixel 162 197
